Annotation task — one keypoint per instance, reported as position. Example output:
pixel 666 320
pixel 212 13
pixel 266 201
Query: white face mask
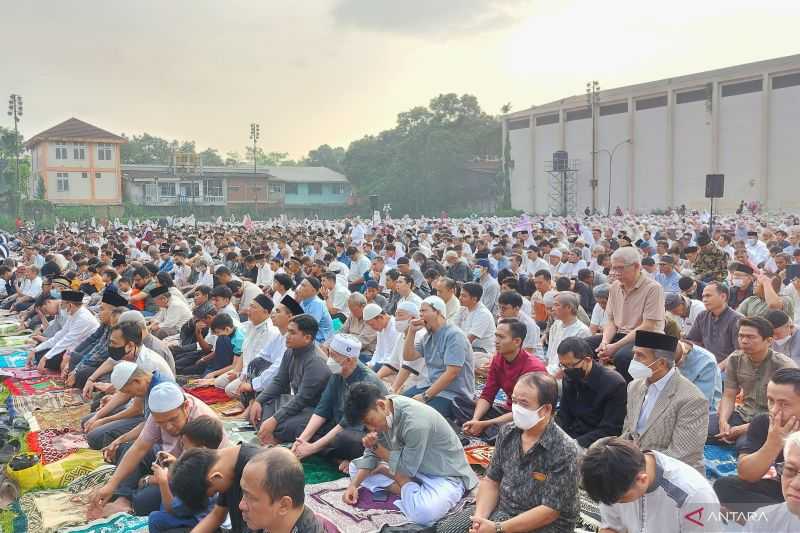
pixel 525 418
pixel 638 370
pixel 781 342
pixel 333 366
pixel 752 242
pixel 401 325
pixel 738 282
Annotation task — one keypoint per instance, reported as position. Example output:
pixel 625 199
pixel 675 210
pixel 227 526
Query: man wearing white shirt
pixel 29 289
pixel 446 290
pixel 79 325
pixel 756 249
pixel 534 263
pixel 245 292
pixel 510 305
pixel 359 265
pixel 684 310
pixel 384 325
pixel 173 313
pixel 572 266
pixel 336 295
pixel 566 324
pixel 265 274
pixel 475 320
pixel 792 290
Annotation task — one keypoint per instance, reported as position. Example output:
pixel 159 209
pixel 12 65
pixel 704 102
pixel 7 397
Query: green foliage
pixel 40 188
pixel 418 166
pixel 326 156
pixel 211 158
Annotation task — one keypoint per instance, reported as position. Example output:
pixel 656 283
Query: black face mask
pixel 574 374
pixel 116 352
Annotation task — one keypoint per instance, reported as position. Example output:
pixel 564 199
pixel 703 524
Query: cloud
pixel 435 18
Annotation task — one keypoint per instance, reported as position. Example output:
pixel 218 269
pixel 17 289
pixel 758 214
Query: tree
pixel 211 158
pixel 146 149
pixel 327 157
pixel 11 146
pixel 232 159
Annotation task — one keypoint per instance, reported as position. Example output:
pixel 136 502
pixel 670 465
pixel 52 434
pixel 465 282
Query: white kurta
pixel 76 329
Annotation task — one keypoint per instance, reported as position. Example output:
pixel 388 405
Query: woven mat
pixel 67 418
pixel 116 523
pixel 326 499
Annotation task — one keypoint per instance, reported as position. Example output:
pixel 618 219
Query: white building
pixel 76 163
pixel 742 121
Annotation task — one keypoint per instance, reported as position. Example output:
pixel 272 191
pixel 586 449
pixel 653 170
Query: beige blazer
pixel 678 423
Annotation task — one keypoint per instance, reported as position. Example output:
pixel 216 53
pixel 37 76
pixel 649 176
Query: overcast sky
pixel 331 71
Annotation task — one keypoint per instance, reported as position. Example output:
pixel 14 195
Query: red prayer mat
pixel 209 394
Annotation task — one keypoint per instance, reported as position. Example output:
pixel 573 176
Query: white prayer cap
pixel 550 298
pixel 409 307
pixel 346 345
pixel 165 397
pixel 555 252
pixel 437 303
pixel 371 311
pixel 132 316
pixel 122 373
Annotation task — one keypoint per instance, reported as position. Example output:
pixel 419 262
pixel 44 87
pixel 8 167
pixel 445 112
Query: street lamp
pixel 15 112
pixel 592 99
pixel 255 132
pixel 610 163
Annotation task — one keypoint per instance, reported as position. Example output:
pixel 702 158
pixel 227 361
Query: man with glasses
pixel 635 303
pixel 783 516
pixel 754 486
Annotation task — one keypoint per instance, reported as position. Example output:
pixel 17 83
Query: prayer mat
pixel 720 461
pixel 325 499
pixel 236 432
pixel 209 394
pixel 480 455
pixel 55 444
pixel 51 510
pixel 61 473
pixel 320 470
pixel 21 373
pixel 16 341
pixel 16 359
pixel 32 386
pixel 220 408
pixel 48 401
pixel 69 418
pixel 10 328
pixel 118 523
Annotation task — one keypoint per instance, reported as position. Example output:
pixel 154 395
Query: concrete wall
pixel 742 121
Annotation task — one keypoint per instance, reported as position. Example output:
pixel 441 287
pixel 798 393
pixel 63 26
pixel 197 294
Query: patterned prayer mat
pixel 63 419
pixel 220 408
pixel 51 510
pixel 56 444
pixel 15 359
pixel 325 499
pixel 720 461
pixel 48 401
pixel 320 470
pixel 116 523
pixel 35 386
pixel 209 394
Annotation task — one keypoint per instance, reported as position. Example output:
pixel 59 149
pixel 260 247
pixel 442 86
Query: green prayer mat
pixel 319 470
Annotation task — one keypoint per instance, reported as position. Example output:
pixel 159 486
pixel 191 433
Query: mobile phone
pixel 380 496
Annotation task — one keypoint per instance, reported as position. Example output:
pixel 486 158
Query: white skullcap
pixel 122 373
pixel 346 345
pixel 409 307
pixel 165 397
pixel 550 298
pixel 132 316
pixel 555 252
pixel 437 303
pixel 451 253
pixel 371 311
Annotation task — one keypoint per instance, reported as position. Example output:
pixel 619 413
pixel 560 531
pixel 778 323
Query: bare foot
pixel 120 505
pixel 344 467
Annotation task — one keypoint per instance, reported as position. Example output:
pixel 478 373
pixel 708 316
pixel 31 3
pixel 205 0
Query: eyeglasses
pixel 562 366
pixel 786 471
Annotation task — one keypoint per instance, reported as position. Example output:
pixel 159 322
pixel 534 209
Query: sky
pixel 331 71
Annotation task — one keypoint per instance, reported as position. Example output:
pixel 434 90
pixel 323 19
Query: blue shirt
pixel 316 308
pixel 166 266
pixel 700 367
pixel 670 283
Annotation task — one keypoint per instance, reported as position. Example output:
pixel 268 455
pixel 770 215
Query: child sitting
pixel 227 346
pixel 202 432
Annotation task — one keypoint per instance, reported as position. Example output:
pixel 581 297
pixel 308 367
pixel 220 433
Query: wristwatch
pixel 498 527
pixel 425 397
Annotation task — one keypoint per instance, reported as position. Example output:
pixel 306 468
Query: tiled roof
pixel 74 130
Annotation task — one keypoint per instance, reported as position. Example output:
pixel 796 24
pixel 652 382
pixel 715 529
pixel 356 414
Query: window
pixel 519 124
pixel 695 95
pixel 98 175
pixel 579 114
pixel 613 109
pixel 291 188
pixel 544 120
pixel 62 181
pixel 789 80
pixel 79 151
pixel 213 188
pixel 340 188
pixel 104 152
pixel 650 103
pixel 85 175
pixel 276 188
pixel 167 190
pixel 234 188
pixel 314 188
pixel 744 87
pixel 61 151
pixel 190 190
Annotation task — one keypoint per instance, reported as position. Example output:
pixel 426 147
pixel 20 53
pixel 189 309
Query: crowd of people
pixel 597 356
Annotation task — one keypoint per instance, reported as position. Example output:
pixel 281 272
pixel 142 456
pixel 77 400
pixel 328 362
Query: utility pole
pixel 255 131
pixel 592 99
pixel 15 112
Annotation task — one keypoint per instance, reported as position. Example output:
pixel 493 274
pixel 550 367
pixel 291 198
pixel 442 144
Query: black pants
pixel 290 428
pixel 147 499
pixel 622 359
pixel 187 363
pixel 345 446
pixel 734 420
pixel 54 363
pixel 742 496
